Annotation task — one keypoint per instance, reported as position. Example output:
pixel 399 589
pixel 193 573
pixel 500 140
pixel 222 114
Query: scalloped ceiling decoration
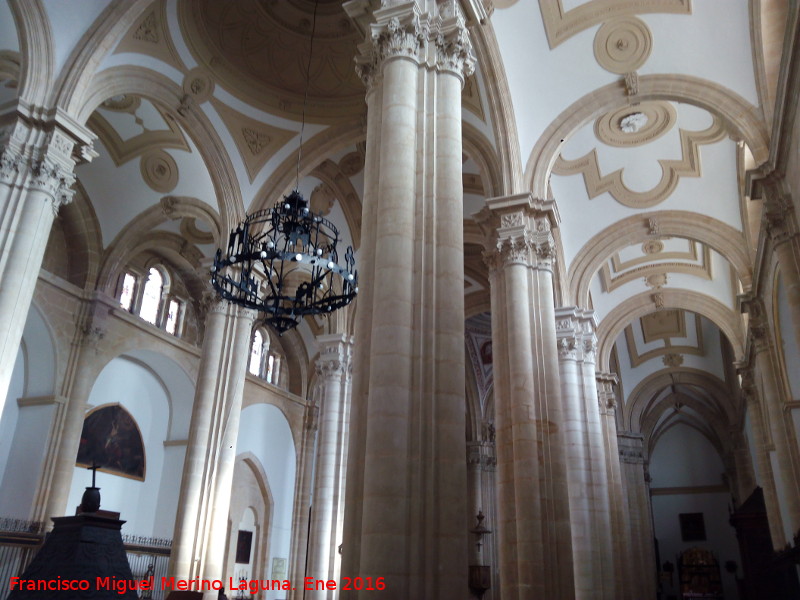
pixel 122 150
pixel 672 170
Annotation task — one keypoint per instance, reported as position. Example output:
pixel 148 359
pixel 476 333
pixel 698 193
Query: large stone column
pixel 328 498
pixel 533 529
pixel 640 514
pixel 766 373
pixel 36 176
pixel 587 479
pixel 618 501
pixel 198 545
pixel 406 480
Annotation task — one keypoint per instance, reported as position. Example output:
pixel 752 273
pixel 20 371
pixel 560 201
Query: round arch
pixel 639 414
pixel 641 304
pixel 741 118
pixel 36 47
pixel 726 240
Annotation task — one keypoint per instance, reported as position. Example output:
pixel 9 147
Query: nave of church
pixel 571 368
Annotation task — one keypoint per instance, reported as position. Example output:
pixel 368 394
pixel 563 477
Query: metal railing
pixel 20 541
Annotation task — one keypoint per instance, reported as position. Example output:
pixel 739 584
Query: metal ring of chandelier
pixel 283 261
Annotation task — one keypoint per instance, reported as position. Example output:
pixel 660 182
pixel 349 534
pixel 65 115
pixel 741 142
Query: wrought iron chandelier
pixel 282 261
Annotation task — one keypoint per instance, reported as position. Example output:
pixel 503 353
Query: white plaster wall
pixel 8 31
pixel 23 429
pixel 683 457
pixel 140 503
pixel 8 420
pixel 19 483
pixel 265 432
pixel 68 22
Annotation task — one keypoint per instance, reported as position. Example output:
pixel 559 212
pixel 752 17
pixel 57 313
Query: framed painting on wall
pixel 111 439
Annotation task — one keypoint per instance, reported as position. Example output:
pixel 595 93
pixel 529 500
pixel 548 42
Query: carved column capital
pixel 42 156
pixel 453 46
pixel 519 228
pixel 758 328
pixel 575 333
pixel 333 361
pixel 779 219
pixel 606 397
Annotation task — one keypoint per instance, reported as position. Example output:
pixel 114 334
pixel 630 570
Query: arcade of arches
pixel 576 229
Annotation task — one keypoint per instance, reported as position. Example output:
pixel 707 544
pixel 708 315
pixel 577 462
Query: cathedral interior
pixel 572 369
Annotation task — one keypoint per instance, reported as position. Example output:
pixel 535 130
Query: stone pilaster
pixel 201 524
pixel 780 223
pixel 36 177
pixel 766 373
pixel 533 528
pixel 481 464
pixel 618 501
pixel 332 368
pixel 408 383
pixel 80 374
pixel 586 460
pixel 640 515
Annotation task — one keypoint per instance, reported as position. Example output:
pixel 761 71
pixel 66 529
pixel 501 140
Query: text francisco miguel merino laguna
pixel 121 586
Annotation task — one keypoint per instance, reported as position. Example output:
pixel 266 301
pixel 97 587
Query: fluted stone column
pixel 618 502
pixel 36 176
pixel 198 546
pixel 767 374
pixel 328 498
pixel 406 480
pixel 586 459
pixel 640 517
pixel 533 529
pixel 761 444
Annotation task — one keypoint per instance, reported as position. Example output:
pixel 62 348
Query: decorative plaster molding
pixel 673 170
pixel 122 150
pixel 560 24
pixel 198 84
pixel 256 141
pixel 658 118
pixel 159 171
pixel 622 45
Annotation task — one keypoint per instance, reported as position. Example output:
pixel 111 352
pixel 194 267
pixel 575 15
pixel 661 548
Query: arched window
pixel 257 354
pixel 265 360
pixel 151 298
pixel 127 295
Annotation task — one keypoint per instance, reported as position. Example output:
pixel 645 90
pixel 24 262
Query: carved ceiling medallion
pixel 635 125
pixel 623 45
pixel 159 171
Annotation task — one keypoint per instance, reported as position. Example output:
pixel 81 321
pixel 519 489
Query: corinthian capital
pixel 453 46
pixel 53 179
pixel 402 35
